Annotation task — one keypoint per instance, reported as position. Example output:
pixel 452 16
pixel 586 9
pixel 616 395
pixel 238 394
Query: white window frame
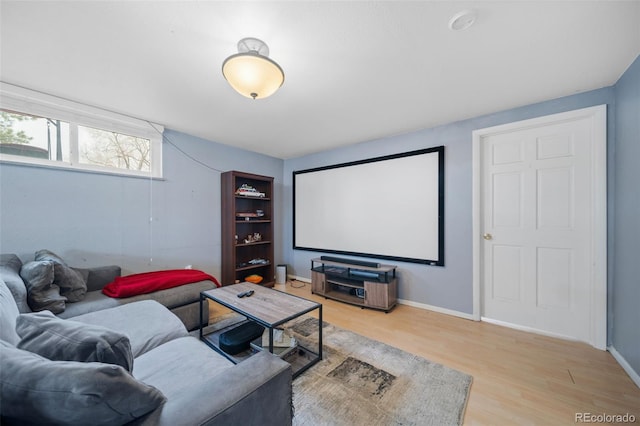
pixel 27 101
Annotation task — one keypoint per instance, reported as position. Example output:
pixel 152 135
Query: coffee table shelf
pixel 269 308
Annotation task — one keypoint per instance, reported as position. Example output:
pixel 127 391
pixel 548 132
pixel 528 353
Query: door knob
pixel 487 236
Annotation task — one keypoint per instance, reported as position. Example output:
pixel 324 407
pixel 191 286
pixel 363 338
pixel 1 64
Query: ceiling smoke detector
pixel 462 20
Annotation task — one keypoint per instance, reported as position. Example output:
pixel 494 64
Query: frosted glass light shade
pixel 253 75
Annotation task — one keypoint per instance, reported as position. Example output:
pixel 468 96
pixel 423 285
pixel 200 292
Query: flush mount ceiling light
pixel 250 71
pixel 462 20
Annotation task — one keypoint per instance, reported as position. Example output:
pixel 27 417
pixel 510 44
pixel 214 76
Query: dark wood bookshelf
pixel 237 254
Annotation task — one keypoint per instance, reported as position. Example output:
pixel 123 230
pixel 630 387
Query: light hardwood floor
pixel 519 378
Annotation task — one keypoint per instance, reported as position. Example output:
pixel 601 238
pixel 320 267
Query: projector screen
pixel 388 207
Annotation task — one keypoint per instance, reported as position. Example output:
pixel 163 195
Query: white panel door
pixel 537 219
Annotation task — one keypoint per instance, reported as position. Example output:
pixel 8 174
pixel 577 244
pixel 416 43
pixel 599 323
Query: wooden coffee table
pixel 269 308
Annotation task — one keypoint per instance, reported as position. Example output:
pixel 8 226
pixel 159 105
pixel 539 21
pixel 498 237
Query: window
pixel 35 137
pixel 43 130
pixel 112 149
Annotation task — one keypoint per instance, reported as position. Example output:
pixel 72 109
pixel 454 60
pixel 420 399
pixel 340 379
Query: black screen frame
pixel 440 261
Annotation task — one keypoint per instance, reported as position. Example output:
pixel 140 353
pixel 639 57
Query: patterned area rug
pixel 364 382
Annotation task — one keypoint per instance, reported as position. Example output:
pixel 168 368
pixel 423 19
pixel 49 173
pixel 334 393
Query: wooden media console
pixel 373 287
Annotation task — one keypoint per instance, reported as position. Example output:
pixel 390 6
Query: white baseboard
pixel 529 329
pixel 625 365
pixel 435 309
pixel 409 303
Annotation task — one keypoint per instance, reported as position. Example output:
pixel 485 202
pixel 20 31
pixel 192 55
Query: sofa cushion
pixel 42 293
pixel 98 276
pixel 171 298
pixel 191 316
pixel 8 314
pixel 147 324
pixel 177 368
pixel 65 340
pixel 255 392
pixel 10 265
pixel 93 301
pixel 40 391
pixel 71 283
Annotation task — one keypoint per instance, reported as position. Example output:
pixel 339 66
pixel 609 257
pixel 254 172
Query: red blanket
pixel 148 282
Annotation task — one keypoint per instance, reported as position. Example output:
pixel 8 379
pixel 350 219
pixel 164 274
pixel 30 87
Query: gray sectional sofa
pixel 134 363
pixel 183 301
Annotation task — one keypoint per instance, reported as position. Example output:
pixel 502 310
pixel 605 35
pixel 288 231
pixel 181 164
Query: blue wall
pixel 96 219
pixel 624 312
pixel 448 287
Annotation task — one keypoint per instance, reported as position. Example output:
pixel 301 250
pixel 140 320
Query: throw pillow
pixel 42 293
pixel 72 285
pixel 36 390
pixel 8 314
pixel 66 340
pixel 10 265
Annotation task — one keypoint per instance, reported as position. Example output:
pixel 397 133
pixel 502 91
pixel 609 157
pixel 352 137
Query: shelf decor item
pixel 254 279
pixel 247 228
pixel 248 191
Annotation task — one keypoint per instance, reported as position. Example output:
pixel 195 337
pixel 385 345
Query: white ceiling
pixel 355 71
